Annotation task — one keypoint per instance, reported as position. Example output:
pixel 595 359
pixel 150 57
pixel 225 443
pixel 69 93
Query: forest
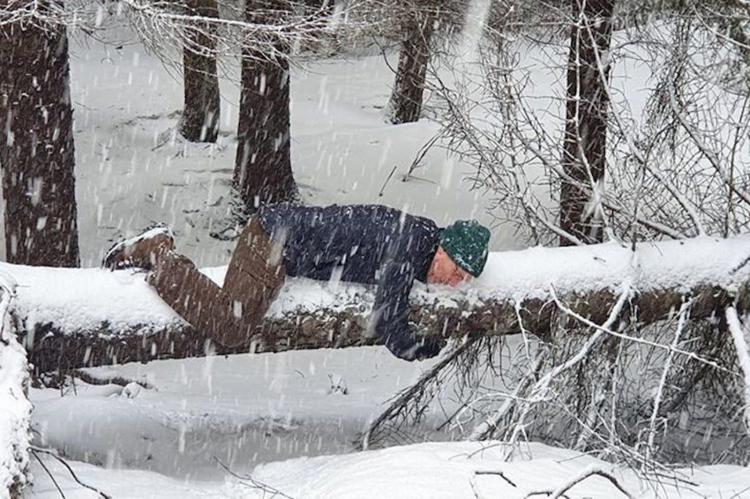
pixel 583 166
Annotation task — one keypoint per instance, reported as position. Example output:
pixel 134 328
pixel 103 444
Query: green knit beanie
pixel 466 241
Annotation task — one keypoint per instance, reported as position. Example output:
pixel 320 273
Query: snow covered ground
pixel 242 409
pixel 268 414
pixel 420 471
pixel 258 414
pixel 291 421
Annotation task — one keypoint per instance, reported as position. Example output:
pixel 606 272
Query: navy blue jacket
pixel 370 244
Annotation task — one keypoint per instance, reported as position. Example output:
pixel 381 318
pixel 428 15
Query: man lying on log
pixel 369 244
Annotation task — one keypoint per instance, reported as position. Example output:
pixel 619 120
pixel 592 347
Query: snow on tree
pixel 679 170
pixel 74 318
pixel 15 416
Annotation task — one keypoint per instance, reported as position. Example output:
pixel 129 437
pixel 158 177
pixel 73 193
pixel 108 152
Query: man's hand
pixel 412 347
pixel 391 315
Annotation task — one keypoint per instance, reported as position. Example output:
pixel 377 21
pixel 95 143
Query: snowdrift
pixel 15 409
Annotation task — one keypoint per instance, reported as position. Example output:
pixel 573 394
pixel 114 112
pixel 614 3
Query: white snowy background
pixel 281 417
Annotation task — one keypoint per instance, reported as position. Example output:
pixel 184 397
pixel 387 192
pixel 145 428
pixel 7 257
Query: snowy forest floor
pixel 248 413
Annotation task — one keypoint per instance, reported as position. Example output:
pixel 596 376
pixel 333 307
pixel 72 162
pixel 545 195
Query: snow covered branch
pixel 83 317
pixel 15 415
pixel 739 336
pixel 587 473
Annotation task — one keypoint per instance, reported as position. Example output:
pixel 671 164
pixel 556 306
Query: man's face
pixel 444 270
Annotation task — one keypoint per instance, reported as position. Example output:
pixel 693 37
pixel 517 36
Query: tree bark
pixel 37 156
pixel 15 416
pixel 405 104
pixel 201 110
pixel 585 141
pixel 263 165
pixel 99 317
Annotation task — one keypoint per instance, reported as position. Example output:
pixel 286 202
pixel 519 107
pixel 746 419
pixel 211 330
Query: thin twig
pixel 592 471
pixel 495 473
pixel 422 153
pixel 49 473
pixel 253 482
pixel 690 355
pixel 35 449
pixel 684 315
pixel 405 396
pixel 382 189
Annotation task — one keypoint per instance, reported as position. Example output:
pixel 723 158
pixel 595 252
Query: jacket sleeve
pixel 391 314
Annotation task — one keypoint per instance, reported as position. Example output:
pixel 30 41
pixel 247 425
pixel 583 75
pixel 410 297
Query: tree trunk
pixel 36 149
pixel 201 110
pixel 405 104
pixel 585 142
pixel 87 317
pixel 263 165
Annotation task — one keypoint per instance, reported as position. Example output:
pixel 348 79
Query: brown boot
pixel 140 251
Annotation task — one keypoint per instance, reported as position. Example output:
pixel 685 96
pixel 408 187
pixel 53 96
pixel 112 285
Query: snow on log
pixel 15 409
pixel 86 317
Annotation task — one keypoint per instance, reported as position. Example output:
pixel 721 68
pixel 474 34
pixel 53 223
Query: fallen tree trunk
pixel 15 409
pixel 86 317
